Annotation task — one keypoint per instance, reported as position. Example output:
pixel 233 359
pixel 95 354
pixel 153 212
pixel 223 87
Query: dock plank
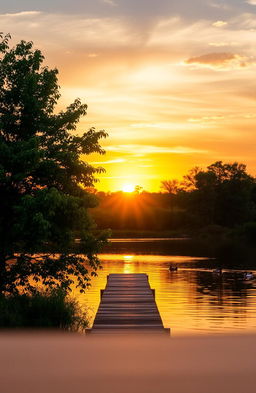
pixel 128 305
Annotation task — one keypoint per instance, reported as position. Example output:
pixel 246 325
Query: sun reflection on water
pixel 128 267
pixel 128 257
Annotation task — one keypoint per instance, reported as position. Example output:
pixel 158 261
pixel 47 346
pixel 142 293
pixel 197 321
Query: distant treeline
pixel 221 197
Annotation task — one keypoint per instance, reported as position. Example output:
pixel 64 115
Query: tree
pixel 223 194
pixel 138 189
pixel 229 172
pixel 170 186
pixel 189 180
pixel 43 180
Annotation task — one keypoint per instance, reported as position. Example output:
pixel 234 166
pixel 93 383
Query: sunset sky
pixel 172 82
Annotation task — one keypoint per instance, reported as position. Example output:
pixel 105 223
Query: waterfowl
pixel 217 271
pixel 173 268
pixel 248 276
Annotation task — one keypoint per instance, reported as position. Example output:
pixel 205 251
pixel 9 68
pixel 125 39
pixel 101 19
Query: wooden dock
pixel 128 306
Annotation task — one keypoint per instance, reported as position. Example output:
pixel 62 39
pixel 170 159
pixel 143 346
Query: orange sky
pixel 173 87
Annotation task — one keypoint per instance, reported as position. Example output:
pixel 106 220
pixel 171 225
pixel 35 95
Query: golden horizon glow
pixel 174 87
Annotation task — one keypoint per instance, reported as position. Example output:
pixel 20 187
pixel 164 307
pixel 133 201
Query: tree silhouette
pixel 223 194
pixel 170 186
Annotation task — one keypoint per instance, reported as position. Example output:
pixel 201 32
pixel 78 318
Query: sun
pixel 128 188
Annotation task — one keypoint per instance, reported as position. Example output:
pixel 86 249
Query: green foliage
pixel 207 203
pixel 223 194
pixel 42 310
pixel 43 180
pixel 247 231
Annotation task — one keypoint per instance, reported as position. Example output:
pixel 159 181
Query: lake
pixel 193 300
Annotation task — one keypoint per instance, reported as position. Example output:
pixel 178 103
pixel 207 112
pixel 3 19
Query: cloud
pixel 21 14
pixel 112 3
pixel 59 30
pixel 137 149
pixel 93 55
pixel 116 161
pixel 219 23
pixel 222 6
pixel 142 10
pixel 183 37
pixel 223 43
pixel 206 119
pixel 220 61
pixel 166 126
pixel 251 2
pixel 250 116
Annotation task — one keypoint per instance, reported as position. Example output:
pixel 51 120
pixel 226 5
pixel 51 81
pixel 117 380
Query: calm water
pixel 192 300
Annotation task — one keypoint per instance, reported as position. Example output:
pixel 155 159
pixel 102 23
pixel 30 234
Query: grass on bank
pixel 50 309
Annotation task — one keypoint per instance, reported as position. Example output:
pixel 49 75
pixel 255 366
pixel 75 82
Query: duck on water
pixel 245 276
pixel 173 268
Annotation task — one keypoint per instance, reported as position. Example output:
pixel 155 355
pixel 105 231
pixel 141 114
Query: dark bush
pixel 42 310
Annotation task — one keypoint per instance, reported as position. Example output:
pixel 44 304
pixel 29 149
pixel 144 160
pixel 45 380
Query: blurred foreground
pixel 62 362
